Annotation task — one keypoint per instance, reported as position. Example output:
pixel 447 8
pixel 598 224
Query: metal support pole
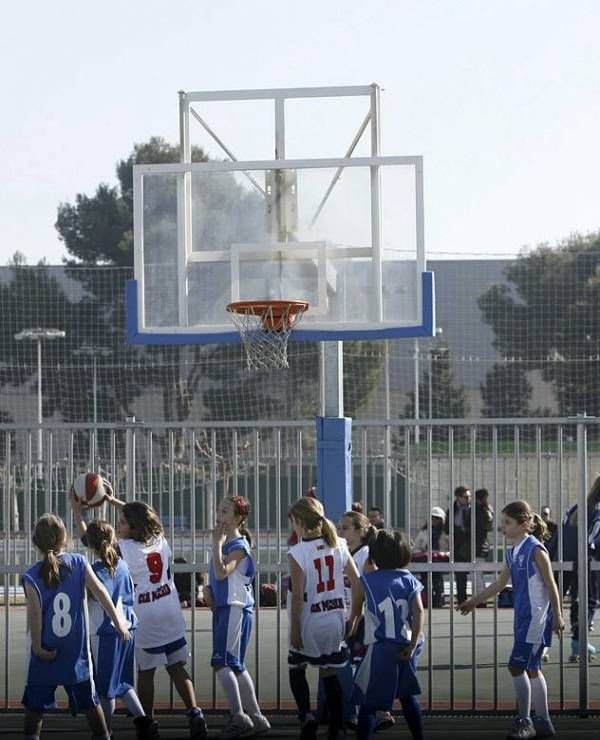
pixel 582 557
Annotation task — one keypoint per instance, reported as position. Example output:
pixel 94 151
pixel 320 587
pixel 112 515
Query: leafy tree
pixel 506 391
pixel 547 315
pixel 448 400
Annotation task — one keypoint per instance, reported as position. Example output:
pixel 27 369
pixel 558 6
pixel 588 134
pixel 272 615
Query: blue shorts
pixel 526 655
pixel 383 677
pixel 113 665
pixel 231 627
pixel 41 698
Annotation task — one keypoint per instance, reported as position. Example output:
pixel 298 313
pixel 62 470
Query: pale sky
pixel 501 97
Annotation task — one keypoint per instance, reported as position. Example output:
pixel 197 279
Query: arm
pixel 34 624
pixel 484 595
pixel 545 568
pixel 417 612
pixel 351 571
pixel 224 569
pixel 297 577
pixel 101 595
pixel 110 496
pixel 77 513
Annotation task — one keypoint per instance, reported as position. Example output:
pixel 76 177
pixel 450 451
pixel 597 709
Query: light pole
pixel 87 350
pixel 39 335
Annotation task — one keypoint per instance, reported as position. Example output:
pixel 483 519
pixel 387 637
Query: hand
pixel 44 654
pixel 75 502
pixel 466 607
pixel 109 494
pixel 218 535
pixel 296 639
pixel 123 631
pixel 406 653
pixel 558 624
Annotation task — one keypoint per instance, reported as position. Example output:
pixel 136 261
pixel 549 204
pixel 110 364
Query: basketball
pixel 89 489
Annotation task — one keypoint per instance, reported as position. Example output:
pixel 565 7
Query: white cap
pixel 438 511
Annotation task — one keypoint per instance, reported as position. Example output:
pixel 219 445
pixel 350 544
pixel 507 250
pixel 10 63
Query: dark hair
pixel 481 495
pixel 460 491
pixel 593 499
pixel 522 513
pixel 241 508
pixel 360 521
pixel 389 550
pixel 375 508
pixel 310 513
pixel 100 536
pixel 50 537
pixel 143 521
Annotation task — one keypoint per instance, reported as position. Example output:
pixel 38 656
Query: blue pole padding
pixel 334 465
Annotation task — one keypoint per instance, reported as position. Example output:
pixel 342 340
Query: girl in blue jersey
pixel 393 614
pixel 113 659
pixel 537 613
pixel 57 627
pixel 230 595
pixel 160 633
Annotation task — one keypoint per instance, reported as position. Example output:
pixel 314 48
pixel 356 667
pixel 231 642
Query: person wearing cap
pixel 439 542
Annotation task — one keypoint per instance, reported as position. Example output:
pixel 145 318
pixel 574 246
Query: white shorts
pixel 323 641
pixel 170 654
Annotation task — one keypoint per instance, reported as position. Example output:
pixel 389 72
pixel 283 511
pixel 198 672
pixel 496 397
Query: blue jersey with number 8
pixel 64 625
pixel 388 605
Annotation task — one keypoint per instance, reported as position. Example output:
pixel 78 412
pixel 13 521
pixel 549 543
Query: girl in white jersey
pixel 317 611
pixel 160 635
pixel 537 613
pixel 230 595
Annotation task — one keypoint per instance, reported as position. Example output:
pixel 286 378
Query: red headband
pixel 241 505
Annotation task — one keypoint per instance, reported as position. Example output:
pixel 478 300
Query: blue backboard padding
pixel 334 465
pixel 425 329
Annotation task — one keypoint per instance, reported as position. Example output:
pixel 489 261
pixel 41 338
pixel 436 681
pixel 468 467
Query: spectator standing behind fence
pixel 439 543
pixel 484 520
pixel 461 520
pixel 570 580
pixel 376 517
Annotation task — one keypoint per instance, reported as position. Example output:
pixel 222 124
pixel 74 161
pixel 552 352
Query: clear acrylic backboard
pixel 344 234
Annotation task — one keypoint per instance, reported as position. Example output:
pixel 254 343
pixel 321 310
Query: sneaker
pixel 574 657
pixel 383 720
pixel 260 725
pixel 239 725
pixel 309 728
pixel 146 728
pixel 522 728
pixel 197 722
pixel 543 727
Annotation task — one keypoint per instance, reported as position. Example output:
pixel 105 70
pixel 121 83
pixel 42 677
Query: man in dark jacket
pixel 461 520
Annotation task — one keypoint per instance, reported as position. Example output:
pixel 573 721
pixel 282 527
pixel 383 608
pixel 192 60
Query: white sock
pixel 132 702
pixel 523 691
pixel 539 696
pixel 230 686
pixel 108 708
pixel 247 693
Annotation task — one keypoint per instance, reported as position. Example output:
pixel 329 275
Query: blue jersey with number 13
pixel 388 605
pixel 64 625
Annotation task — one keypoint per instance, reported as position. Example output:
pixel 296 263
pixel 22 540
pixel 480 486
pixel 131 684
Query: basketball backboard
pixel 343 233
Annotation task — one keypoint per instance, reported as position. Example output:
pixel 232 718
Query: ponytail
pixel 101 538
pixel 539 528
pixel 369 535
pixel 329 532
pixel 50 537
pixel 245 532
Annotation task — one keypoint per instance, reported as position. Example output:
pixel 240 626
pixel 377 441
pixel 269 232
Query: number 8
pixel 61 619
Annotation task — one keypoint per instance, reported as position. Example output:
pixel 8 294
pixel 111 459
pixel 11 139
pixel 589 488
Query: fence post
pixel 582 557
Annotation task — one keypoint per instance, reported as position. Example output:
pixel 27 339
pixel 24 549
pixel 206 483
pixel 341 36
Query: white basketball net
pixel 265 332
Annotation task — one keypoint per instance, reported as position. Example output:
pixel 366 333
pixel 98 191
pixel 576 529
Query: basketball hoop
pixel 265 327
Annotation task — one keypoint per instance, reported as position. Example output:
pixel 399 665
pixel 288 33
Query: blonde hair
pixel 309 512
pixel 361 523
pixel 50 538
pixel 101 537
pixel 522 513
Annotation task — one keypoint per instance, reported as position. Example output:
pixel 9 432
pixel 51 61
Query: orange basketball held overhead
pixel 90 489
